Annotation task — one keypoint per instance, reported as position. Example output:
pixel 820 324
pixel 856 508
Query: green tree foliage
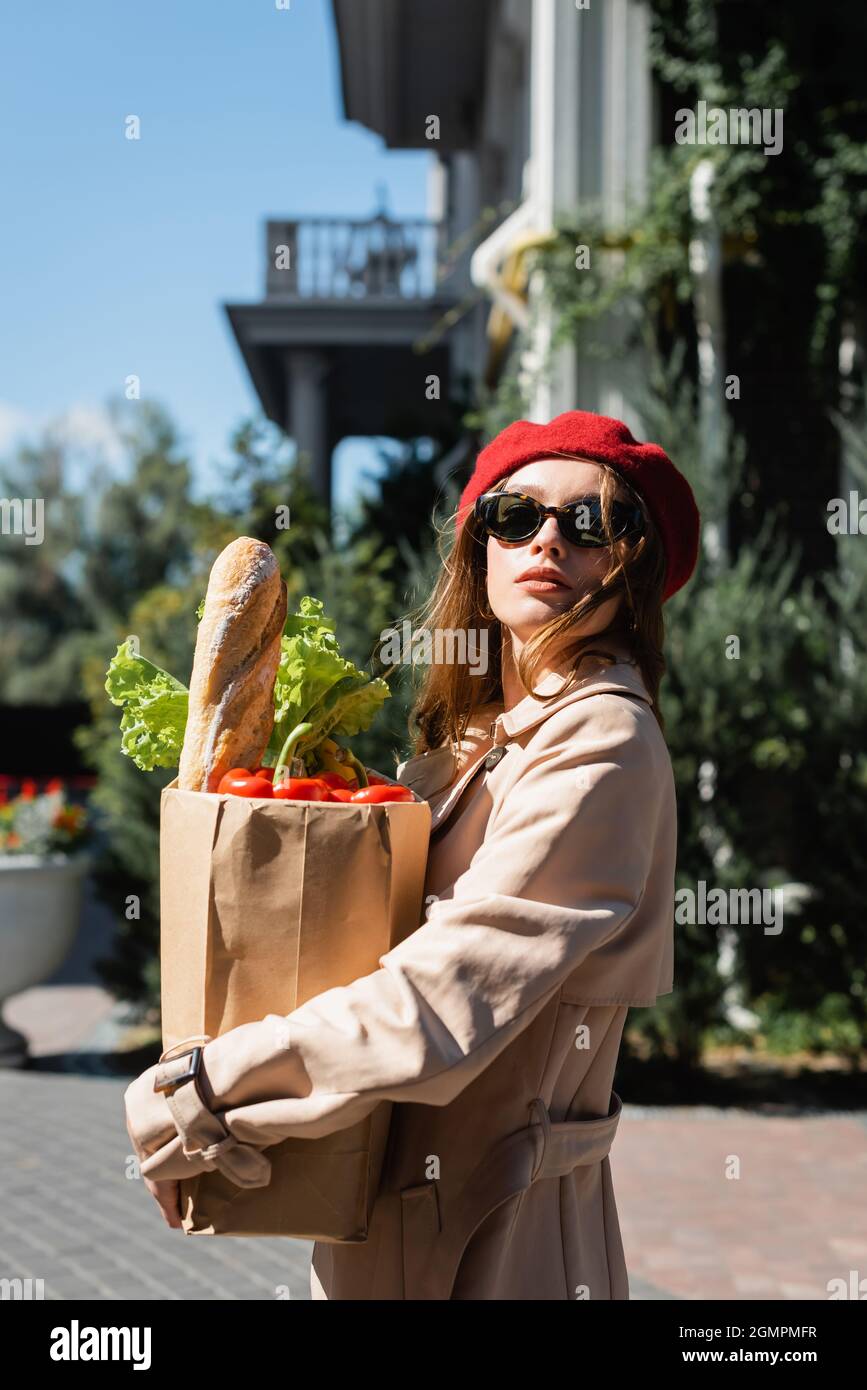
pixel 765 696
pixel 42 618
pixel 105 545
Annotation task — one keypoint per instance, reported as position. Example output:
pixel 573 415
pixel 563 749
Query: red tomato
pixel 341 793
pixel 377 793
pixel 238 781
pixel 302 789
pixel 335 781
pixel 265 772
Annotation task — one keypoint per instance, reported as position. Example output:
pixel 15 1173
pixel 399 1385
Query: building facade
pixel 528 109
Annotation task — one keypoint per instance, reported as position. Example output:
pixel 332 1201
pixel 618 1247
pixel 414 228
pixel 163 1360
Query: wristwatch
pixel 169 1079
pixel 204 1136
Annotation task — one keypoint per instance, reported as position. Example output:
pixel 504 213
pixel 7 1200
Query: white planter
pixel 40 912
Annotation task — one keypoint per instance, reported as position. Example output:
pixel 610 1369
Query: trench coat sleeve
pixel 565 859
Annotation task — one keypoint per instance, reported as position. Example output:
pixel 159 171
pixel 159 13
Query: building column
pixel 590 140
pixel 306 416
pixel 616 135
pixel 553 175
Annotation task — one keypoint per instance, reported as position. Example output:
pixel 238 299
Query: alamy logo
pixel 23 516
pixel 722 907
pixel 75 1343
pixel 21 1289
pixel 446 646
pixel 739 126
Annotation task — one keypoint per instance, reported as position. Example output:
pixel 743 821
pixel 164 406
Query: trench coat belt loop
pixel 575 1143
pixel 205 1137
pixel 433 1250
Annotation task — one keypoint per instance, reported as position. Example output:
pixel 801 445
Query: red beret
pixel 646 467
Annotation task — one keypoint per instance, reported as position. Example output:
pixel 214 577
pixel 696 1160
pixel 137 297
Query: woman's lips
pixel 543 586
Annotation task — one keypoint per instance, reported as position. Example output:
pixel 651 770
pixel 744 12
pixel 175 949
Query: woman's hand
pixel 149 1121
pixel 167 1194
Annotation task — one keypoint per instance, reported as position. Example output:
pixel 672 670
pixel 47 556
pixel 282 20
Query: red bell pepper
pixel 336 782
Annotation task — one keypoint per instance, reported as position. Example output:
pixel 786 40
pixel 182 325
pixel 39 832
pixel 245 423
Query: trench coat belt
pixel 433 1246
pixel 204 1136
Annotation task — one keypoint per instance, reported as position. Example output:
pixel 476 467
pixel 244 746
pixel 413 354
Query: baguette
pixel 231 709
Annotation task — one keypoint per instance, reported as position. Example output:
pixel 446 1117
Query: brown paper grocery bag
pixel 264 905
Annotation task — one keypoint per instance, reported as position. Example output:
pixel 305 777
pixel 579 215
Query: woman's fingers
pixel 167 1194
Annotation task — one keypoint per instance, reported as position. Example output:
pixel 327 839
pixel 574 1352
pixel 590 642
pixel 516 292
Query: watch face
pixel 171 1083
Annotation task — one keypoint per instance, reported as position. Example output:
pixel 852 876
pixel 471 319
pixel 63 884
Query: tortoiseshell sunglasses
pixel 513 516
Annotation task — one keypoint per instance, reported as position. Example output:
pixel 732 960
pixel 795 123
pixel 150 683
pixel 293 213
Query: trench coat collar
pixel 623 676
pixel 490 726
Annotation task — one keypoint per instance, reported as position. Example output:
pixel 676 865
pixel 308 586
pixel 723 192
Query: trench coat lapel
pixel 624 677
pixel 429 773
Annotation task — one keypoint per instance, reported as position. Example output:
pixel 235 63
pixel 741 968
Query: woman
pixel 550 901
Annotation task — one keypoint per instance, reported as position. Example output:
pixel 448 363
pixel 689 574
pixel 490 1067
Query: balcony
pixel 351 332
pixel 339 258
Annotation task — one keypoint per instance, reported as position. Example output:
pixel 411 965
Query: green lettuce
pixel 314 684
pixel 155 708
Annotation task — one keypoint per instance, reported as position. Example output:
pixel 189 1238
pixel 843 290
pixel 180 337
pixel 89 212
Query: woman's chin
pixel 541 607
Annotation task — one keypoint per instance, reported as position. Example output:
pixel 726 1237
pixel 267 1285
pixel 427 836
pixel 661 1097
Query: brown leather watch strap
pixel 205 1137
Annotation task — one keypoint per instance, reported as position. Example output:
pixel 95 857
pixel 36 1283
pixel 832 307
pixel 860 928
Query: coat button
pixel 494 757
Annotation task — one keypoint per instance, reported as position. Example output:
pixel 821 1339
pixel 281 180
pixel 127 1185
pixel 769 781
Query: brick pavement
pixel 68 1213
pixel 57 1018
pixel 793 1220
pixel 70 1216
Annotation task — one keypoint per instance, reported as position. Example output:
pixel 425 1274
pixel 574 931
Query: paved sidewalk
pixel 70 1216
pixel 68 1213
pixel 58 1019
pixel 793 1220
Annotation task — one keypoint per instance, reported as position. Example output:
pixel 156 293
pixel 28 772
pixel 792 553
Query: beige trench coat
pixel 495 1026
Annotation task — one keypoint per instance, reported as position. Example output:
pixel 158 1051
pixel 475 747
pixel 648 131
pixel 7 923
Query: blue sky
pixel 118 255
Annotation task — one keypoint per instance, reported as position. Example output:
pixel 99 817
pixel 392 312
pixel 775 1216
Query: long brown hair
pixel 450 693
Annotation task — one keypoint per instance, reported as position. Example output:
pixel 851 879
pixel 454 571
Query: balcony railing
pixel 339 258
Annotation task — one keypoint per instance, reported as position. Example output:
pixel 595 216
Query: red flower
pixel 28 789
pixel 55 785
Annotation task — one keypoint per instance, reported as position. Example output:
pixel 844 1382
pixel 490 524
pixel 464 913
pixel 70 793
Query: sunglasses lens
pixel 627 521
pixel 582 523
pixel 511 518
